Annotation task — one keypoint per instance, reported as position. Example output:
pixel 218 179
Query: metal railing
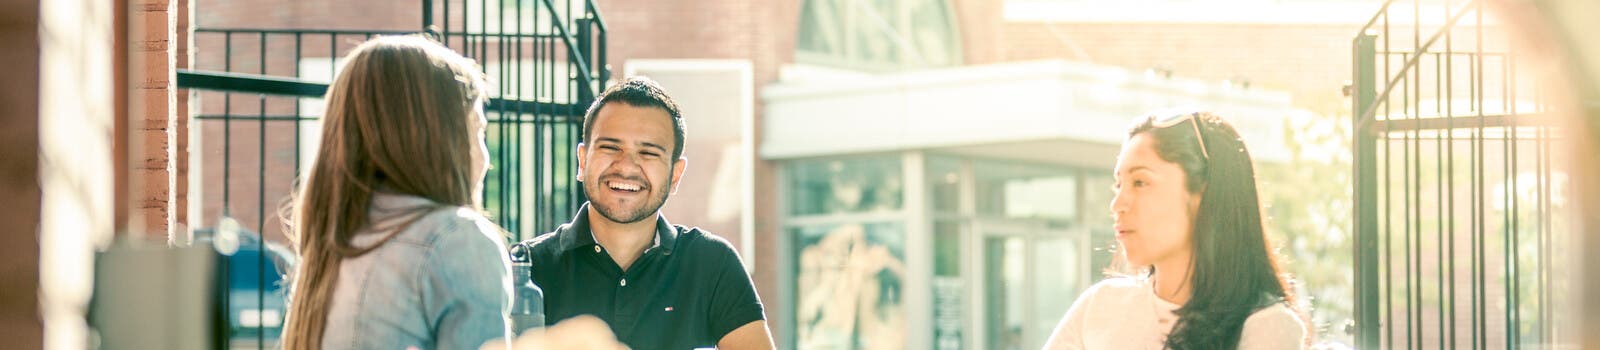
pixel 1456 191
pixel 551 53
pixel 258 99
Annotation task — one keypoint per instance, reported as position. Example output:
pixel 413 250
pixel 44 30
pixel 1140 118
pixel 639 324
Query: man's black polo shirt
pixel 687 291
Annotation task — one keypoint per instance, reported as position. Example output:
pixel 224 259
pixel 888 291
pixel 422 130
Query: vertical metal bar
pixel 600 59
pixel 1405 207
pixel 1450 179
pixel 542 201
pixel 1538 234
pixel 1414 186
pixel 1388 232
pixel 548 145
pixel 1414 192
pixel 227 142
pixel 227 126
pixel 1546 298
pixel 427 14
pixel 509 68
pixel 333 56
pixel 583 51
pixel 261 198
pixel 557 77
pixel 1478 82
pixel 575 95
pixel 502 174
pixel 528 174
pixel 1514 281
pixel 544 161
pixel 464 27
pixel 1481 319
pixel 507 119
pixel 1440 189
pixel 483 31
pixel 521 112
pixel 297 116
pixel 553 145
pixel 1480 307
pixel 1366 212
pixel 445 33
pixel 560 74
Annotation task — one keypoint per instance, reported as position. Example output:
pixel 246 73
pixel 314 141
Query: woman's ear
pixel 1194 201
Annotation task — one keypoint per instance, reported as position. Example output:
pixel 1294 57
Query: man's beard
pixel 620 215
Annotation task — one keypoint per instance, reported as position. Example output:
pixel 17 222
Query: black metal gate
pixel 259 97
pixel 1460 204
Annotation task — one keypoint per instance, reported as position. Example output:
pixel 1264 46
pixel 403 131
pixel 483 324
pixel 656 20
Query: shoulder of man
pixel 547 245
pixel 704 243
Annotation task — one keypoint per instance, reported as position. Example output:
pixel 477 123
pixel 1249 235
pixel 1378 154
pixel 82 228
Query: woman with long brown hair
pixel 394 250
pixel 1188 217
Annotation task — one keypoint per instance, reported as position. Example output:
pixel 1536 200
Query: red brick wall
pixel 20 33
pixel 257 186
pixel 981 30
pixel 1310 61
pixel 152 104
pixel 327 14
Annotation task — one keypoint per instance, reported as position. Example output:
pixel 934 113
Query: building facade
pixel 943 163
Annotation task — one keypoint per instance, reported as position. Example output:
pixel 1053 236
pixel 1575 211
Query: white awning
pixel 1055 111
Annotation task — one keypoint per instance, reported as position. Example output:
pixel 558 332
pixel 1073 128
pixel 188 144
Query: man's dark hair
pixel 638 92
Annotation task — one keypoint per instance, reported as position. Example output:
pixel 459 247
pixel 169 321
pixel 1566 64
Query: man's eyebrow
pixel 653 145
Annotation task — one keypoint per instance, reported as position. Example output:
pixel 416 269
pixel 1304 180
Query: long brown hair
pixel 399 118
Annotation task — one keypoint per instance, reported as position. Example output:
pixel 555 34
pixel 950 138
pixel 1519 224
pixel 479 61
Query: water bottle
pixel 527 302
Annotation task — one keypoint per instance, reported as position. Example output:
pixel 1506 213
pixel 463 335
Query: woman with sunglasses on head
pixel 1189 221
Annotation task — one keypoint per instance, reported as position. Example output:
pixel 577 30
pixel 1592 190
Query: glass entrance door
pixel 1030 275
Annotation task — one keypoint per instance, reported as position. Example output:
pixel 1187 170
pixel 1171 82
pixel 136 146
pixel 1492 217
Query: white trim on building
pixel 1006 108
pixel 1328 12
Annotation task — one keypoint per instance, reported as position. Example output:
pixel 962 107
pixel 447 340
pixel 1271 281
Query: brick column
pixel 150 110
pixel 19 175
pixel 178 206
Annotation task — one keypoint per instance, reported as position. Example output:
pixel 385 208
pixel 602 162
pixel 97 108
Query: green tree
pixel 1308 204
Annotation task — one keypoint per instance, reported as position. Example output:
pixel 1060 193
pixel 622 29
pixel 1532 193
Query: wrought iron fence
pixel 1459 204
pixel 258 101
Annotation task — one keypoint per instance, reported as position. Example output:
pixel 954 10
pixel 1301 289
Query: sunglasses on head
pixel 1178 118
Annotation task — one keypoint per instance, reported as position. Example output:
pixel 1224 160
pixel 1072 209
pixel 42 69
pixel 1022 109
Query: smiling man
pixel 658 285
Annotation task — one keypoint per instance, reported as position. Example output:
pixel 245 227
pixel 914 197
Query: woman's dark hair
pixel 1233 271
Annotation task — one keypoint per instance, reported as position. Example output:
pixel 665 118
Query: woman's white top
pixel 1125 313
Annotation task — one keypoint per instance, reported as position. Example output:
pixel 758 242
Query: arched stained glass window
pixel 878 35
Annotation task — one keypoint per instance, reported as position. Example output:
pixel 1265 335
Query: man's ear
pixel 677 172
pixel 582 160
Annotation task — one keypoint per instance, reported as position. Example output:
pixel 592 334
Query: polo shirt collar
pixel 578 235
